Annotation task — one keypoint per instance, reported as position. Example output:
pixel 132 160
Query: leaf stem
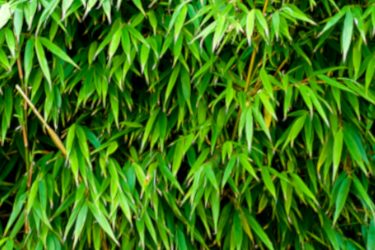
pixel 249 72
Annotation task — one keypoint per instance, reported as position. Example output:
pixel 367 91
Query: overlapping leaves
pixel 187 124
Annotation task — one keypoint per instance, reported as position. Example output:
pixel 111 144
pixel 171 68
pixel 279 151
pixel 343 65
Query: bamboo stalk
pixel 55 138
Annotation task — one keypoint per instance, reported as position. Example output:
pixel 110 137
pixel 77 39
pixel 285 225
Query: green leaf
pixel 150 227
pixel 145 51
pixel 356 58
pixel 212 178
pixel 17 23
pixel 266 177
pixel 43 61
pixel 28 58
pixel 236 232
pixel 362 193
pixel 17 208
pixel 354 145
pixel 4 60
pixel 100 218
pixel 126 44
pixel 172 82
pixel 153 20
pixel 261 20
pixel 149 126
pixel 260 120
pixel 347 33
pixel 250 23
pixel 296 129
pixel 266 82
pixel 332 21
pixel 298 183
pixel 114 100
pixel 11 41
pixel 30 10
pixel 114 43
pixel 65 7
pixel 337 150
pixel 179 20
pixel 167 173
pixel 370 73
pixel 341 198
pixel 267 104
pixel 8 111
pixel 32 196
pixel 82 141
pixel 297 13
pixel 371 235
pixel 276 24
pixel 54 49
pixel 80 223
pixel 138 4
pixel 260 232
pixel 5 14
pixel 247 165
pixel 219 31
pixel 249 128
pixel 228 170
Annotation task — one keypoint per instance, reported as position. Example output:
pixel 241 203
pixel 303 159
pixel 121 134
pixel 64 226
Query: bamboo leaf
pixel 43 61
pixel 100 218
pixel 347 33
pixel 249 129
pixel 332 21
pixel 66 4
pixel 219 32
pixel 260 232
pixel 54 49
pixel 172 82
pixel 370 73
pixel 371 235
pixel 298 182
pixel 80 222
pixel 138 4
pixel 145 51
pixel 28 58
pixel 250 23
pixel 261 20
pixel 5 14
pixel 337 150
pixel 212 178
pixel 247 166
pixel 114 43
pixel 297 13
pixel 341 198
pixel 266 177
pixel 296 129
pixel 180 21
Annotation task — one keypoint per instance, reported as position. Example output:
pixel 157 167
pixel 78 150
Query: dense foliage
pixel 187 124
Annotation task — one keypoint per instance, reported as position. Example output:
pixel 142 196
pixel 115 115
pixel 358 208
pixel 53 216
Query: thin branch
pixel 249 74
pixel 55 138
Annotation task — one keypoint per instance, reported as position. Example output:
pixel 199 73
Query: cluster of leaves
pixel 187 124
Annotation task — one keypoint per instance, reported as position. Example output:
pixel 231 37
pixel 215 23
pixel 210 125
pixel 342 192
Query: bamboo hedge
pixel 187 124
